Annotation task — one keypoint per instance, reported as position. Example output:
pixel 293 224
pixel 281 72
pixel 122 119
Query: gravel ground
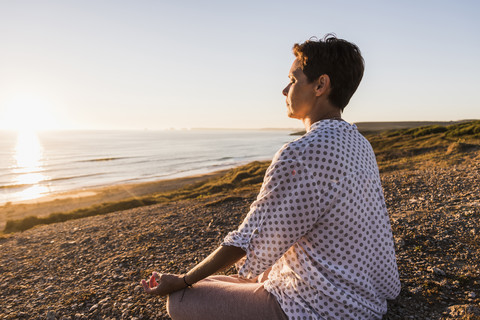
pixel 435 216
pixel 90 268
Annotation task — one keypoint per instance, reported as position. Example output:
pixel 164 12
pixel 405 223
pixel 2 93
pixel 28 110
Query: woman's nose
pixel 285 90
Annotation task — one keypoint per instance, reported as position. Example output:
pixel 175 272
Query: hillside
pixel 376 127
pixel 425 145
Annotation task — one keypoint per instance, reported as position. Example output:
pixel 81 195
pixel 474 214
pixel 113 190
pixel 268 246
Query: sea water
pixel 33 165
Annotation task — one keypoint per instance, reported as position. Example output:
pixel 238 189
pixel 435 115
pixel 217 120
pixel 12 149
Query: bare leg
pixel 224 297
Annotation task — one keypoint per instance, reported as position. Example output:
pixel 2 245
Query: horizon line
pixel 242 129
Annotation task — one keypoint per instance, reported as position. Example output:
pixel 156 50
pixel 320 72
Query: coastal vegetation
pixel 396 150
pixel 425 145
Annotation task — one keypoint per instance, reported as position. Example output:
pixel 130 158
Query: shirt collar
pixel 331 122
pixel 324 122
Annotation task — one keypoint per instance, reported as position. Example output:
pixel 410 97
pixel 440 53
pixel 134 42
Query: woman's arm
pixel 222 258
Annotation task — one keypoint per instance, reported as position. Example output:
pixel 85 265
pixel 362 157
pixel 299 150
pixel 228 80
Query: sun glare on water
pixel 29 170
pixel 26 115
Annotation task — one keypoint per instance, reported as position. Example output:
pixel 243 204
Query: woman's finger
pixel 153 282
pixel 146 287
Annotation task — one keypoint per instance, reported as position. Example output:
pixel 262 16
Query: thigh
pixel 224 297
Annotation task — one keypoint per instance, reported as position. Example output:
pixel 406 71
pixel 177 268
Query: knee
pixel 173 305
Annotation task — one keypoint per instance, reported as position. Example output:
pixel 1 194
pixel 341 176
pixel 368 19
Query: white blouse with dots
pixel 320 220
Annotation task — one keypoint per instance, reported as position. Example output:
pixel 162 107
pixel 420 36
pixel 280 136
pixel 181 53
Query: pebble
pixel 50 315
pixel 437 271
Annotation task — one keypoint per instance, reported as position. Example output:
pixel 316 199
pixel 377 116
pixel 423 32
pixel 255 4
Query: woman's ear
pixel 322 85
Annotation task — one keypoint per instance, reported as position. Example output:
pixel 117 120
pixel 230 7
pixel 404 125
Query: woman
pixel 317 242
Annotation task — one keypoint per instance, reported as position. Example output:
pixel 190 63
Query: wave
pixel 104 159
pixel 75 177
pixel 200 163
pixel 16 186
pixel 26 185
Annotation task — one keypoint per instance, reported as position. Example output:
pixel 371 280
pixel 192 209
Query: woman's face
pixel 300 93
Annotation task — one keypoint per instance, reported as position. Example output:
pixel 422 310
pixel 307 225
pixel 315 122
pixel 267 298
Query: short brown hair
pixel 337 58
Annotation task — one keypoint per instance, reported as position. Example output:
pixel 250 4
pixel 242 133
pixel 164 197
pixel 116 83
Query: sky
pixel 135 65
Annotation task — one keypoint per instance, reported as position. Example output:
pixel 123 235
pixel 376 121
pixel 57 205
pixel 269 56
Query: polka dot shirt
pixel 321 222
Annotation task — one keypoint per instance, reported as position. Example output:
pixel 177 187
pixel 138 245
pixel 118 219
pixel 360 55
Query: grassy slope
pixel 426 145
pixel 395 150
pixel 376 127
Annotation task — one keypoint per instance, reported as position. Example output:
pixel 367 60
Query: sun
pixel 27 113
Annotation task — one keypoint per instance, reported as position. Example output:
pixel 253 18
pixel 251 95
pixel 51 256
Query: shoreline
pixel 87 197
pixel 129 183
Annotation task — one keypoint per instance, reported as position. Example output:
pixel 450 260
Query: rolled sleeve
pixel 283 212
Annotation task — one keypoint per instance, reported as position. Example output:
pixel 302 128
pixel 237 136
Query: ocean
pixel 33 165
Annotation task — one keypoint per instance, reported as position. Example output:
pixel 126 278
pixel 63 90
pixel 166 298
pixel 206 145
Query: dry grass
pixel 425 146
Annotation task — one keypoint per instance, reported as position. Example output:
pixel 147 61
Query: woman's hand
pixel 163 284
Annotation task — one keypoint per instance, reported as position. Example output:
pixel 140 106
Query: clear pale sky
pixel 182 64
